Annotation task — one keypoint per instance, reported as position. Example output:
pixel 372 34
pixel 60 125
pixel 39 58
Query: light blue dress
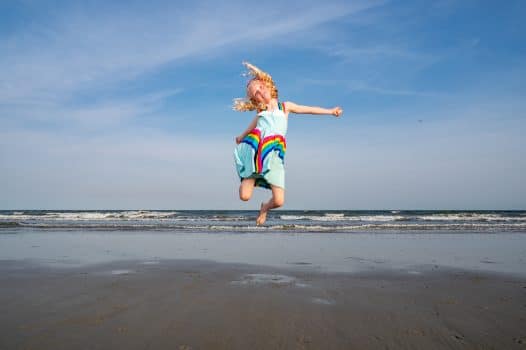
pixel 261 154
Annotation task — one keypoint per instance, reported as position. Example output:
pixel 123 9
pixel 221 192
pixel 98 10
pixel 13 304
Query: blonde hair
pixel 249 103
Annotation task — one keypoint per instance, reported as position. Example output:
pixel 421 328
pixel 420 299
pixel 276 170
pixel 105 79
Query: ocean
pixel 324 240
pixel 236 221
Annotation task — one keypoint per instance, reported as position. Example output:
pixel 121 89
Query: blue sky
pixel 128 105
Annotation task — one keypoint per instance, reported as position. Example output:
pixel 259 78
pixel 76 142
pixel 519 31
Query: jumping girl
pixel 260 151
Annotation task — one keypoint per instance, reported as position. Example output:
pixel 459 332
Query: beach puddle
pixel 299 263
pixel 270 279
pixel 121 272
pixel 302 285
pixel 322 301
pixel 488 261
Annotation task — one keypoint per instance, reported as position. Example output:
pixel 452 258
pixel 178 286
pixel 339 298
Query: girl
pixel 261 148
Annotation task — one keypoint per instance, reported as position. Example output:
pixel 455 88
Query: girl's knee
pixel 246 188
pixel 279 201
pixel 244 196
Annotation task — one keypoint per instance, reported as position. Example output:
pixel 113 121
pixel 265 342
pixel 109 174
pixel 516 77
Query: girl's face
pixel 259 91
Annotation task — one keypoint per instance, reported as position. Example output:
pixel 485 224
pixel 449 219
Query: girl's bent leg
pixel 277 200
pixel 246 188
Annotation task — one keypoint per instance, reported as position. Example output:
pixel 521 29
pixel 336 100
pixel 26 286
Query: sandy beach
pixel 192 304
pixel 85 288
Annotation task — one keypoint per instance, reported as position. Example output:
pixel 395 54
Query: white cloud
pixel 100 114
pixel 83 49
pixel 353 86
pixel 375 51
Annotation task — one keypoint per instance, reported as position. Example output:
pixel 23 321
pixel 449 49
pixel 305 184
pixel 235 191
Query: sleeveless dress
pixel 261 154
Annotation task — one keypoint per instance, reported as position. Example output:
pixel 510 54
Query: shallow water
pixel 330 252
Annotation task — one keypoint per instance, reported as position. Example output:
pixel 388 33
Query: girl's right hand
pixel 239 139
pixel 337 111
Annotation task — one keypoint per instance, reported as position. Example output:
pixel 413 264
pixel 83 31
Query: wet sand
pixel 190 304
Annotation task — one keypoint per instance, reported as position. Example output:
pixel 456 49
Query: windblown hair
pixel 248 103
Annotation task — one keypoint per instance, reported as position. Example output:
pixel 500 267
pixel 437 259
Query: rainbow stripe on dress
pixel 263 148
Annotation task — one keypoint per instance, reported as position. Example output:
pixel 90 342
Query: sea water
pixel 326 241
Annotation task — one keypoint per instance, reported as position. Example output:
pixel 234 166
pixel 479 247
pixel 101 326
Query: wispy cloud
pixel 100 114
pixel 357 86
pixel 351 54
pixel 368 87
pixel 84 50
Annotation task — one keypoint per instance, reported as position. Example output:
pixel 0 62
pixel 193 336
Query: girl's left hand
pixel 337 111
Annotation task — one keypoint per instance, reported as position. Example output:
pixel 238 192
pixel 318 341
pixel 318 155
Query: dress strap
pixel 281 107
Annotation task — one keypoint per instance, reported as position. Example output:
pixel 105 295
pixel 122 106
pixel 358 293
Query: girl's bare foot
pixel 262 217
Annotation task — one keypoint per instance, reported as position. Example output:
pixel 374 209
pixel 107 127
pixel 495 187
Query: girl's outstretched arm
pixel 251 127
pixel 299 109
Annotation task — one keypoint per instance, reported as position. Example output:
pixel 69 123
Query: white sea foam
pixel 15 217
pixel 469 217
pixel 383 218
pixel 342 217
pixel 146 214
pixel 388 218
pixel 401 226
pixel 326 217
pixel 470 226
pixel 335 215
pixel 86 216
pixel 243 222
pixel 141 215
